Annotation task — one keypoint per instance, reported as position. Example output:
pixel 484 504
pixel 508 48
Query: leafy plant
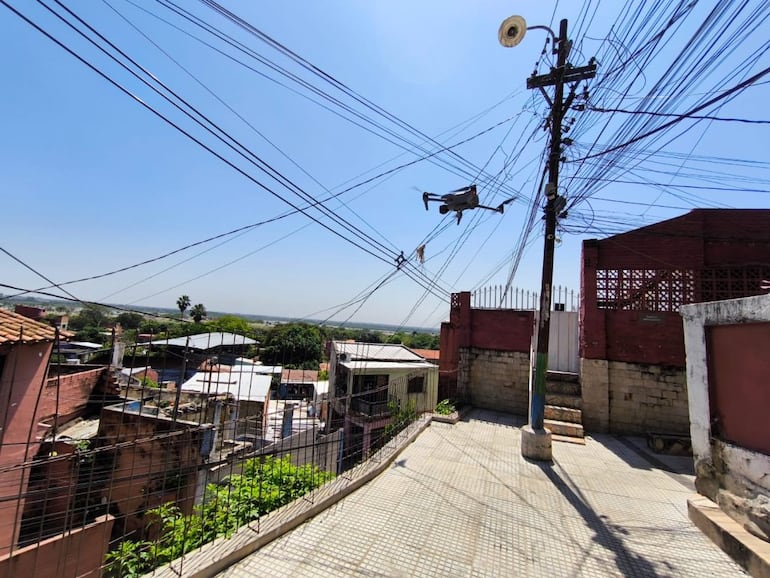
pixel 264 485
pixel 445 407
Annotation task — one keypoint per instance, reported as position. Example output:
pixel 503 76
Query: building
pixel 632 367
pixel 32 405
pixel 370 383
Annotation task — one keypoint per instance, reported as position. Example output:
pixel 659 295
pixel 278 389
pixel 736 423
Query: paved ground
pixel 461 501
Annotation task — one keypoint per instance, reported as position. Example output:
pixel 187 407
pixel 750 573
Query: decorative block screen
pixel 732 282
pixel 644 289
pixel 668 289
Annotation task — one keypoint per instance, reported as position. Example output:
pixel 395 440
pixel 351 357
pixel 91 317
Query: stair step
pixel 564 428
pixel 564 400
pixel 562 387
pixel 561 413
pixel 568 439
pixel 566 376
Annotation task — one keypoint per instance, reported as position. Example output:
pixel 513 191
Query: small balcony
pixel 370 407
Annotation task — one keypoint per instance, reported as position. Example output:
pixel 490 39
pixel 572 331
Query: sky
pixel 94 181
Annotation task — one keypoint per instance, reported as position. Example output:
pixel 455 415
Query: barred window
pixel 416 384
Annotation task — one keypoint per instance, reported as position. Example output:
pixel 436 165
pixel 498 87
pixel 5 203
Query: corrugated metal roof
pixel 242 385
pixel 15 328
pixel 206 341
pixel 376 351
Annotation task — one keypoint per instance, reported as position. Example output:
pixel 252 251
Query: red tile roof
pixel 429 354
pixel 15 328
pixel 299 376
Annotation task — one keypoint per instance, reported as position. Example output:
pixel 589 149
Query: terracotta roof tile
pixel 15 328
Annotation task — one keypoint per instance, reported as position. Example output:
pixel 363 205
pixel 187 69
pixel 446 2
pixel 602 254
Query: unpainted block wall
pixel 494 379
pixel 644 398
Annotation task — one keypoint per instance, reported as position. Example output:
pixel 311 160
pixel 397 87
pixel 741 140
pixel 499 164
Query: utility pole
pixel 536 440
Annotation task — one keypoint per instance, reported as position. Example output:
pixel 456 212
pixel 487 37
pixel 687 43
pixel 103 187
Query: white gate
pixel 562 343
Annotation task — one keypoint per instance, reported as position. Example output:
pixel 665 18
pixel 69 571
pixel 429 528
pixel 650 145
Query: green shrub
pixel 445 407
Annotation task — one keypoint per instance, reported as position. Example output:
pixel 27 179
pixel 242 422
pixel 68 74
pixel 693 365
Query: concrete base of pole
pixel 536 443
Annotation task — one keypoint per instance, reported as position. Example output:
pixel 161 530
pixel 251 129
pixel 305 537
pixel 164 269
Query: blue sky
pixel 92 181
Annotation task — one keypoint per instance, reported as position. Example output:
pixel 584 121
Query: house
pixel 31 405
pixel 726 343
pixel 371 381
pixel 147 459
pixel 432 355
pixel 248 386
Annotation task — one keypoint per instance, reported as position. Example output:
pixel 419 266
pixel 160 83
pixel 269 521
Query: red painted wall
pixel 495 329
pixel 79 553
pixel 23 378
pixel 739 390
pixel 702 238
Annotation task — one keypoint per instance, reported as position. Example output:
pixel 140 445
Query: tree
pixel 130 320
pixel 232 324
pixel 182 304
pixel 297 344
pixel 198 312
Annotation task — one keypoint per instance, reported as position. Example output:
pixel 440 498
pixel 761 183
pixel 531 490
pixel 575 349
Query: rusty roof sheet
pixel 15 328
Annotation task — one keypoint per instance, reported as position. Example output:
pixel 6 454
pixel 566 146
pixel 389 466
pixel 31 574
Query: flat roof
pixel 362 365
pixel 379 351
pixel 242 385
pixel 206 341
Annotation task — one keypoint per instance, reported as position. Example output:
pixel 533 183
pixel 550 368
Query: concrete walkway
pixel 461 501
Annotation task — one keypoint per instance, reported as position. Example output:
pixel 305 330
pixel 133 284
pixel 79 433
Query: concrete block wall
pixel 633 398
pixel 646 398
pixel 495 379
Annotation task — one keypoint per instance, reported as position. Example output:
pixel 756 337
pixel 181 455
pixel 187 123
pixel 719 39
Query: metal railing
pixel 497 297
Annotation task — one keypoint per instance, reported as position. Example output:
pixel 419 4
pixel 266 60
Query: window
pixel 416 384
pixel 644 289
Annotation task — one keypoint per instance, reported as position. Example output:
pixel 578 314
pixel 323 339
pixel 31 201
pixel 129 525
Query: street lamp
pixel 535 439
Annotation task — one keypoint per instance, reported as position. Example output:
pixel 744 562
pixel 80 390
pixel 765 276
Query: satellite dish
pixel 512 31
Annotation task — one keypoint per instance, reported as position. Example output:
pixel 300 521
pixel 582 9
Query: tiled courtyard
pixel 461 501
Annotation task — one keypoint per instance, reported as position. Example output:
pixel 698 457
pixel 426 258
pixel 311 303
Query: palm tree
pixel 198 312
pixel 183 303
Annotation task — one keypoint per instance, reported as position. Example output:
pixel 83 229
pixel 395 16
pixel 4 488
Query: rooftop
pixel 240 381
pixel 206 341
pixel 376 351
pixel 15 328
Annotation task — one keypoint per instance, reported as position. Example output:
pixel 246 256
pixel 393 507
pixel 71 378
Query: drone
pixel 459 200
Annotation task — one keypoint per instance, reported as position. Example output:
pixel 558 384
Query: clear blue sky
pixel 92 181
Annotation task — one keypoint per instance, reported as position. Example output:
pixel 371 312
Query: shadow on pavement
pixel 629 563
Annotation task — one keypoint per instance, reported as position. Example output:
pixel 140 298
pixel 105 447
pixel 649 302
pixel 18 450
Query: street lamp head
pixel 512 31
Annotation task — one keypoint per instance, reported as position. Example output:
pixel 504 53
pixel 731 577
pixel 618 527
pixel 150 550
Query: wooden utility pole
pixel 560 75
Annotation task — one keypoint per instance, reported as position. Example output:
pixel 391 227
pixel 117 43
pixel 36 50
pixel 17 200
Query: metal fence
pixel 110 470
pixel 500 297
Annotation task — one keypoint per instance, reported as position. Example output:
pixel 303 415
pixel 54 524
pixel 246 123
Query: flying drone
pixel 459 200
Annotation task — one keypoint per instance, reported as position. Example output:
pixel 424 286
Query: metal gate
pixel 562 342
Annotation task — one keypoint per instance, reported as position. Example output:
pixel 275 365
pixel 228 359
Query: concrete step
pixel 564 400
pixel 568 439
pixel 562 387
pixel 562 376
pixel 563 428
pixel 561 413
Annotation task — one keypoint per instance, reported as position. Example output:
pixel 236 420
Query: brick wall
pixel 496 380
pixel 74 389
